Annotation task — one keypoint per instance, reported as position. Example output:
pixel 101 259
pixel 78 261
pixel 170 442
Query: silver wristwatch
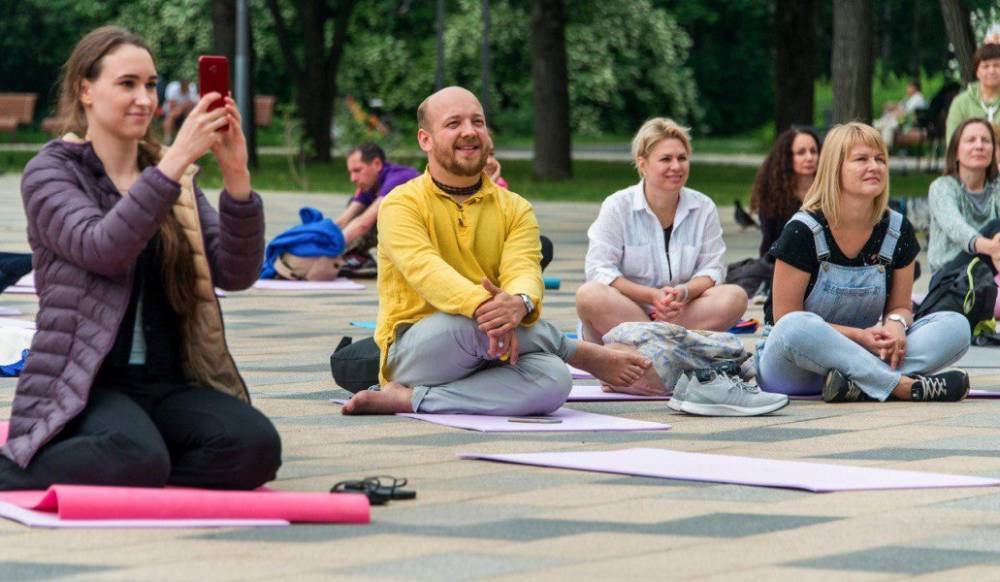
pixel 529 305
pixel 898 319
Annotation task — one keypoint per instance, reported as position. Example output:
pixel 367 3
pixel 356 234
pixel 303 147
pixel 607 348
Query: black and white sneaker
pixel 837 388
pixel 950 386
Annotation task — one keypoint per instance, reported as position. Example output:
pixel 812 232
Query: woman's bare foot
pixel 390 399
pixel 611 367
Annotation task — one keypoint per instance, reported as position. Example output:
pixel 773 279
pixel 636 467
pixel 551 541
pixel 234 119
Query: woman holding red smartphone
pixel 129 381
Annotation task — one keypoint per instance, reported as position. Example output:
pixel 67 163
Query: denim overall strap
pixel 891 237
pixel 822 250
pixel 850 296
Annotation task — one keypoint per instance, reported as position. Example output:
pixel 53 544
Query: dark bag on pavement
pixel 753 275
pixel 355 364
pixel 965 285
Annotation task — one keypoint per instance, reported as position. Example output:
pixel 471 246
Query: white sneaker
pixel 680 390
pixel 711 393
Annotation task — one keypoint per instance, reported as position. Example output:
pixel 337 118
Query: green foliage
pixel 731 59
pixel 626 62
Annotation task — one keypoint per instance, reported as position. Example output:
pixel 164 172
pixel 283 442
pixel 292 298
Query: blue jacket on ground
pixel 315 237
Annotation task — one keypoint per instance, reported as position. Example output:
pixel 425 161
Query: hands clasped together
pixel 499 318
pixel 887 341
pixel 668 303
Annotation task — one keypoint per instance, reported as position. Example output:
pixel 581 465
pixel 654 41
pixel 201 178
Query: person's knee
pixel 794 327
pixel 551 384
pixel 592 297
pixel 128 461
pixel 734 300
pixel 952 331
pixel 252 452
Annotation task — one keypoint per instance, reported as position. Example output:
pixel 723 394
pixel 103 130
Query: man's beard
pixel 446 158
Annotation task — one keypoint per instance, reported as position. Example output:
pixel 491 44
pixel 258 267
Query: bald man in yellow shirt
pixel 460 288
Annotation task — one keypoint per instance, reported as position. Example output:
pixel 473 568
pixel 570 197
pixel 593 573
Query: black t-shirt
pixel 160 326
pixel 796 247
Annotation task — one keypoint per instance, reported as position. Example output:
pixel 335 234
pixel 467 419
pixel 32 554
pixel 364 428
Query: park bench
pixel 263 115
pixel 16 109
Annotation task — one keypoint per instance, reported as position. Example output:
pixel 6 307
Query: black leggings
pixel 169 434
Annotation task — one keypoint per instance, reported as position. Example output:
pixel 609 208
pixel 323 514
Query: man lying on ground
pixel 460 288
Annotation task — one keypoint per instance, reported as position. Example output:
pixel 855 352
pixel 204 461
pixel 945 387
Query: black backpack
pixel 355 364
pixel 965 285
pixel 753 275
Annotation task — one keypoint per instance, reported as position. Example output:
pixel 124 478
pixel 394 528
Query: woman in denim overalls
pixel 852 337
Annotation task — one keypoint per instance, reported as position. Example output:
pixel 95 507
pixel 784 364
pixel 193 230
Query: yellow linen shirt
pixel 434 252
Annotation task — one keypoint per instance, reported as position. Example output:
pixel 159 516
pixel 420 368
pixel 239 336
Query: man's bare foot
pixel 390 399
pixel 611 367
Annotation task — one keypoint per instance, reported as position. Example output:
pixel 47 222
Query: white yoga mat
pixel 593 393
pixel 562 420
pixel 666 464
pixel 980 357
pixel 10 311
pixel 18 323
pixel 26 286
pixel 340 284
pixel 33 518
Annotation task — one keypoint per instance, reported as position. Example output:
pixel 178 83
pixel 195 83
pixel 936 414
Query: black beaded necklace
pixel 459 191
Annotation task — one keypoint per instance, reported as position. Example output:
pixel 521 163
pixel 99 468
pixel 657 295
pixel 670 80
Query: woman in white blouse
pixel 656 249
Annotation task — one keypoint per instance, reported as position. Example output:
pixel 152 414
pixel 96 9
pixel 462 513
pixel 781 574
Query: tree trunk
pixel 316 77
pixel 551 89
pixel 852 61
pixel 224 43
pixel 958 26
pixel 795 58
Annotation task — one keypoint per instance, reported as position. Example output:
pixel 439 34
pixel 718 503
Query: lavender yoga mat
pixel 665 464
pixel 340 284
pixel 579 374
pixel 10 311
pixel 594 393
pixel 562 420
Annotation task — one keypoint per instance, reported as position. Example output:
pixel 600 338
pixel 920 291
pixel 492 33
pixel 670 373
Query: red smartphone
pixel 213 75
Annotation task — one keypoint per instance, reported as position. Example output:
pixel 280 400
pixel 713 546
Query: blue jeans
pixel 802 348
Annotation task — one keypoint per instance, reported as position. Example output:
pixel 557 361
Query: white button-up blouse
pixel 627 241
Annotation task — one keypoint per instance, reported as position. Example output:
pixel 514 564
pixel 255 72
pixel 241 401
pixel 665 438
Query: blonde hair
pixel 824 194
pixel 653 132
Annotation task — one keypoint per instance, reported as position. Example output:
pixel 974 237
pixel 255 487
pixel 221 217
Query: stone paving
pixel 474 519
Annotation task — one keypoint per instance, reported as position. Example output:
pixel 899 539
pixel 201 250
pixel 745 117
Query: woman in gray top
pixel 965 202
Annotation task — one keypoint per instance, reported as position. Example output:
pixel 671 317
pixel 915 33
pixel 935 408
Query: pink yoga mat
pixel 176 507
pixel 815 477
pixel 340 284
pixel 593 393
pixel 568 420
pixel 70 502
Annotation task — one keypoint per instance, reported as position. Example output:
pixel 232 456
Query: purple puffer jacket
pixel 86 238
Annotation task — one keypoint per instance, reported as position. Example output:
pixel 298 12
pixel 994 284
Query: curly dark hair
pixel 773 191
